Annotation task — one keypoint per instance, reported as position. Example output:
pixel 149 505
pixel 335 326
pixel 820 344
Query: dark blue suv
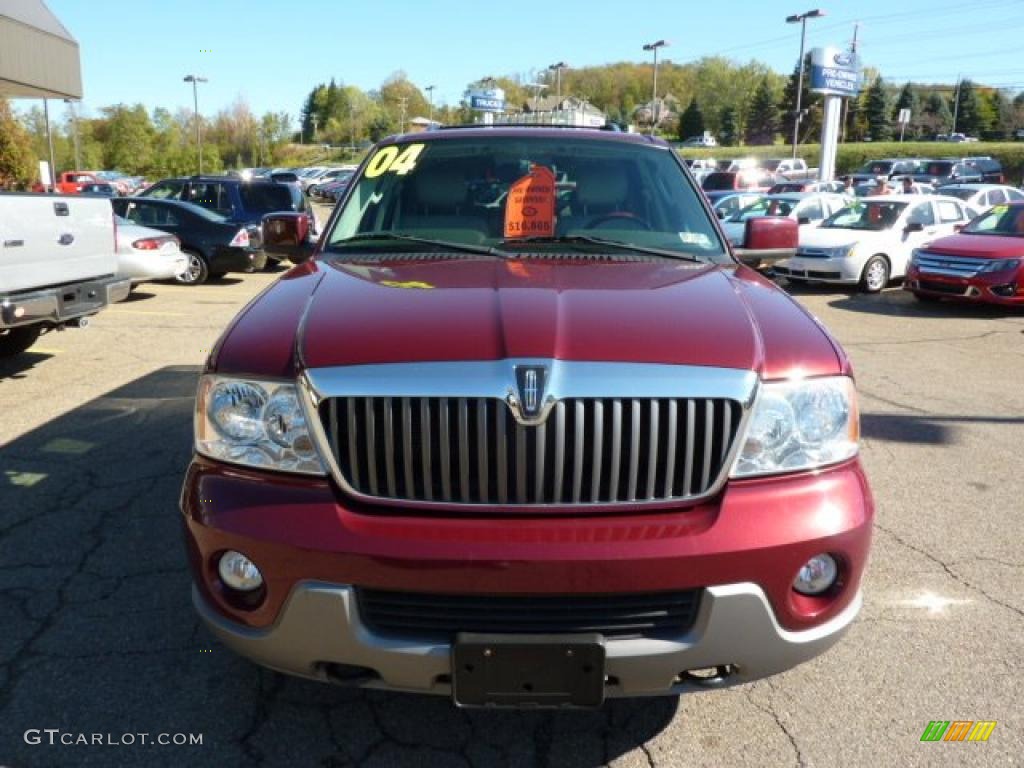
pixel 242 202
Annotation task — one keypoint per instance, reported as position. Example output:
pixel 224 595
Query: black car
pixel 951 170
pixel 213 244
pixel 897 166
pixel 239 201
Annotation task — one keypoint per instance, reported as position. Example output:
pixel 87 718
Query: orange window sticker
pixel 530 209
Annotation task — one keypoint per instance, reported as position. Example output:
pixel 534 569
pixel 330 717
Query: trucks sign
pixel 487 100
pixel 835 72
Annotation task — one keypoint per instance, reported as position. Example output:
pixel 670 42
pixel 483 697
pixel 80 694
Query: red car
pixel 522 446
pixel 983 263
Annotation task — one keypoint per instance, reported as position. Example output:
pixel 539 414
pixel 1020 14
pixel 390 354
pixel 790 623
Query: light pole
pixel 195 80
pixel 430 89
pixel 654 98
pixel 74 123
pixel 557 68
pixel 801 18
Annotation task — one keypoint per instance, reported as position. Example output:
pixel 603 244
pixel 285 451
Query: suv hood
pixel 470 309
pixel 978 246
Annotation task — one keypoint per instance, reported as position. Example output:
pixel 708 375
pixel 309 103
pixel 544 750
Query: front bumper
pixel 1003 288
pixel 320 626
pixel 825 270
pixel 743 548
pixel 59 304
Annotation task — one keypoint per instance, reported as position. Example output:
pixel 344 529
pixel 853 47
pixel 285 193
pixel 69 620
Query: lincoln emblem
pixel 530 381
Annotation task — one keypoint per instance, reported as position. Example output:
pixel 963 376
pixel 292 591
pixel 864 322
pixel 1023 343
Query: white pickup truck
pixel 58 265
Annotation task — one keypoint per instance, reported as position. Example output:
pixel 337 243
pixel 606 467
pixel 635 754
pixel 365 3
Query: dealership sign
pixel 487 100
pixel 835 72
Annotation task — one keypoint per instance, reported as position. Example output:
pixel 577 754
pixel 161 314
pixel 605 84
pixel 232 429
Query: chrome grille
pixel 471 450
pixel 953 266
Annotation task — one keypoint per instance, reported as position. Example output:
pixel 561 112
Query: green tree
pixel 728 128
pixel 878 111
pixel 968 111
pixel 908 99
pixel 810 105
pixel 17 160
pixel 935 115
pixel 127 136
pixel 762 119
pixel 691 123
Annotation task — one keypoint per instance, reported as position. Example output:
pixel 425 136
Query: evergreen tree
pixel 728 130
pixel 810 105
pixel 1002 121
pixel 968 113
pixel 935 116
pixel 878 112
pixel 762 119
pixel 692 121
pixel 908 100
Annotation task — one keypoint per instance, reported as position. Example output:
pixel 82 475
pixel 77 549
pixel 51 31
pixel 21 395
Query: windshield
pixel 874 215
pixel 765 207
pixel 939 168
pixel 1005 220
pixel 498 190
pixel 876 168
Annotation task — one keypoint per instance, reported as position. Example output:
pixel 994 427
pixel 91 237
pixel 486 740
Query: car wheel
pixel 14 341
pixel 196 272
pixel 875 275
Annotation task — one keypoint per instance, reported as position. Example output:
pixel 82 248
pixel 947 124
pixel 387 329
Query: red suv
pixel 525 431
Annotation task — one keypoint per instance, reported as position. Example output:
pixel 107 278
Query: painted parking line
pixel 119 311
pixel 46 350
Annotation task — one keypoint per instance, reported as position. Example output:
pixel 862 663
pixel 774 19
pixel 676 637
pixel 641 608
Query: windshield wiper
pixel 607 242
pixel 483 250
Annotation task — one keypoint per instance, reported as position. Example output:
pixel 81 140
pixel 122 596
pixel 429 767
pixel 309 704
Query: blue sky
pixel 272 52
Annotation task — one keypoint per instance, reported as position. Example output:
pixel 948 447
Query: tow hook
pixel 78 322
pixel 709 677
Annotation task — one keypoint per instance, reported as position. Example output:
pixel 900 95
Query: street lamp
pixel 536 92
pixel 801 19
pixel 654 98
pixel 557 68
pixel 195 80
pixel 430 89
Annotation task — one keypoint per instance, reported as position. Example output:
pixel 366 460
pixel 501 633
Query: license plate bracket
pixel 528 670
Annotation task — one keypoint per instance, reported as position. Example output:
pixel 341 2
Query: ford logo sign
pixel 843 59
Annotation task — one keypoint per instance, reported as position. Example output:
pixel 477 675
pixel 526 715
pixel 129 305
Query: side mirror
pixel 767 240
pixel 286 235
pixel 720 213
pixel 801 220
pixel 958 227
pixel 914 226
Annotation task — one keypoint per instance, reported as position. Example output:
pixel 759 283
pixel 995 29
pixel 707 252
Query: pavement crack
pixel 769 709
pixel 947 567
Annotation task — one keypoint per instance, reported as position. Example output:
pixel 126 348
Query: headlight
pixel 255 423
pixel 842 252
pixel 800 425
pixel 1000 264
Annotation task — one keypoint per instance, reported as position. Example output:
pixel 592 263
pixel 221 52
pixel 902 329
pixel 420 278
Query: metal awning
pixel 38 56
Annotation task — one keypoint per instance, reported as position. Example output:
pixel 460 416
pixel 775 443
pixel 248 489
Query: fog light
pixel 239 572
pixel 817 575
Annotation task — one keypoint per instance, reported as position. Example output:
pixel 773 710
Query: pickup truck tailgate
pixel 52 240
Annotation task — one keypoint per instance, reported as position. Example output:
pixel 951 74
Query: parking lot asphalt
pixel 98 635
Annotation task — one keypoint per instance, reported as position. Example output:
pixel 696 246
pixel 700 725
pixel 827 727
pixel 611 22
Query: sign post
pixel 904 118
pixel 836 74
